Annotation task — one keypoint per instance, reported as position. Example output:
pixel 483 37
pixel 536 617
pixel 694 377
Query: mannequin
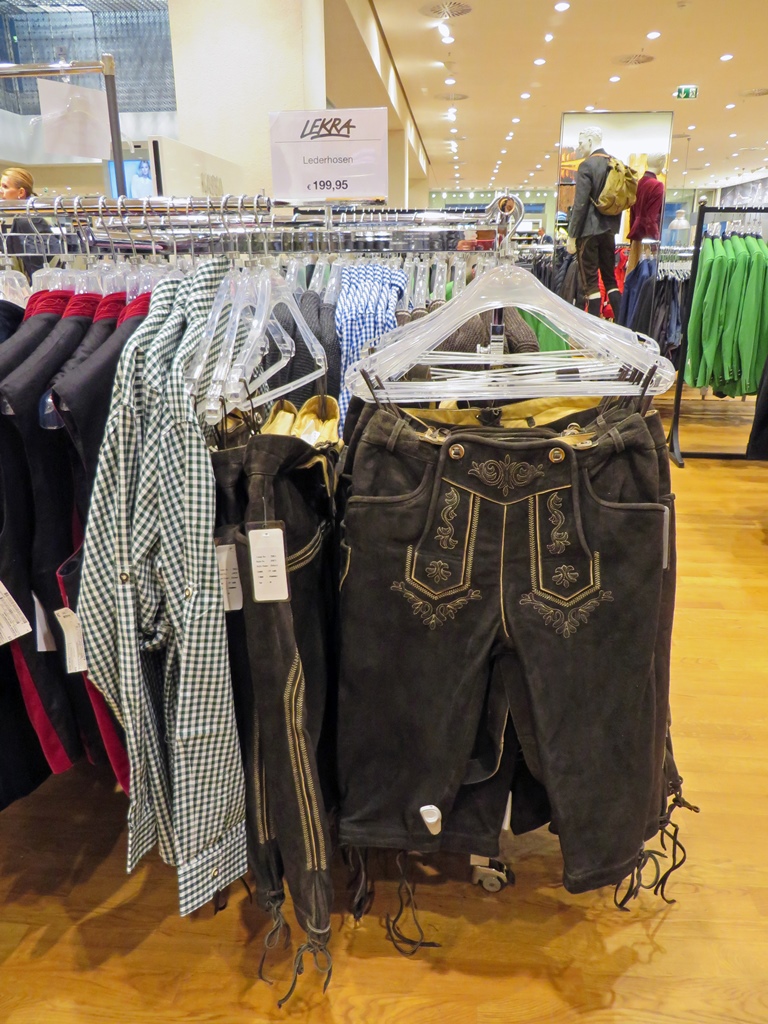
pixel 591 234
pixel 645 215
pixel 680 228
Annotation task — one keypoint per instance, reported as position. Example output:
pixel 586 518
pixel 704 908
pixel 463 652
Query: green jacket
pixel 730 372
pixel 711 365
pixel 706 259
pixel 751 315
pixel 733 303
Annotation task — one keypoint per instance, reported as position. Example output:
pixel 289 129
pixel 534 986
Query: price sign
pixel 329 154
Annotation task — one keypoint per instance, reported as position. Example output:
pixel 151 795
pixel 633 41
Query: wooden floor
pixel 82 942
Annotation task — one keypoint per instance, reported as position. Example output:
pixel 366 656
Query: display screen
pixel 139 183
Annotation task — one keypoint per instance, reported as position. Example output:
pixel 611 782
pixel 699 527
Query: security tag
pixel 73 640
pixel 269 575
pixel 13 621
pixel 229 574
pixel 665 540
pixel 46 641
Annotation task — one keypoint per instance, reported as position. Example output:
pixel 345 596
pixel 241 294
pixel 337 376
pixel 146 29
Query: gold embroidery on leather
pixel 505 474
pixel 444 535
pixel 431 616
pixel 560 539
pixel 566 625
pixel 438 571
pixel 465 576
pixel 565 575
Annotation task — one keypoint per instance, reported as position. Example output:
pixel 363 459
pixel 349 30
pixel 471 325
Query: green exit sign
pixel 687 92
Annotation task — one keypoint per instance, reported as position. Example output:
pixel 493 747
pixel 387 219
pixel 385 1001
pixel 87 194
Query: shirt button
pixel 123 577
pixel 556 455
pixel 456 451
pixel 215 873
pixel 187 592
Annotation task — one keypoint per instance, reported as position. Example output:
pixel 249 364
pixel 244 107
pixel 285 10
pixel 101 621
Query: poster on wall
pixel 628 135
pixel 746 193
pixel 322 155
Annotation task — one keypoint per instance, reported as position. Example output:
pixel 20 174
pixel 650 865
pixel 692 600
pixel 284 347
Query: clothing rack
pixel 673 440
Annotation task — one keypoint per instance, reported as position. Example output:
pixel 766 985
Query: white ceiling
pixel 492 59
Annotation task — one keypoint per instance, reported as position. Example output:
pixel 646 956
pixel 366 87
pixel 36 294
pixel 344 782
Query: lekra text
pixel 327 127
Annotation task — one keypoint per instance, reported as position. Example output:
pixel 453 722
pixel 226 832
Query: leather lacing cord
pixel 279 927
pixel 402 943
pixel 317 945
pixel 360 881
pixel 669 832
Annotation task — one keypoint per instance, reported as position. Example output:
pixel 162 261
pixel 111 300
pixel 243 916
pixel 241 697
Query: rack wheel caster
pixel 493 875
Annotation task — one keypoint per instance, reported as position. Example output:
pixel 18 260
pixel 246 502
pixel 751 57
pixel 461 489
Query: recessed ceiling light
pixel 653 35
pixel 527 195
pixel 447 39
pixel 691 127
pixel 546 156
pixel 614 78
pixel 538 167
pixel 450 81
pixel 590 107
pixel 562 6
pixel 443 29
pixel 450 117
pixel 707 165
pixel 557 145
pixel 525 95
pixel 734 154
pixel 674 160
pixel 727 56
pixel 515 120
pixel 452 110
pixel 444 195
pixel 700 149
pixel 539 61
pixel 454 130
pixel 685 172
pixel 729 106
pixel 732 135
pixel 548 37
pixel 503 151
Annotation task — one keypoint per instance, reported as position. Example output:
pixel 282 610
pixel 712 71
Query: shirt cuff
pixel 212 870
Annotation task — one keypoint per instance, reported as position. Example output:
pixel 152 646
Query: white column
pixel 397 152
pixel 234 62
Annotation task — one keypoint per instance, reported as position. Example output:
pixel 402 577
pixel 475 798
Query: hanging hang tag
pixel 13 621
pixel 229 574
pixel 269 574
pixel 46 641
pixel 73 640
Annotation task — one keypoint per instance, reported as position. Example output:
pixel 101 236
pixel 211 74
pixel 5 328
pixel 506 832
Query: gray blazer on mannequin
pixel 590 179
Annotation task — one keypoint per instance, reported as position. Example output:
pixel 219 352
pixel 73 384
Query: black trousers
pixel 289 649
pixel 523 580
pixel 597 253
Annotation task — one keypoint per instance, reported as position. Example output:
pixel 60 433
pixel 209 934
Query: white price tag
pixel 73 640
pixel 319 155
pixel 46 641
pixel 229 574
pixel 311 437
pixel 13 621
pixel 268 570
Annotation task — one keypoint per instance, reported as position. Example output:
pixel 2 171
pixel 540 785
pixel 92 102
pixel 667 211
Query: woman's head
pixel 16 183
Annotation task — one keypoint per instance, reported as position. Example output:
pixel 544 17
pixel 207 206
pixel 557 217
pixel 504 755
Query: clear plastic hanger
pixel 14 286
pixel 441 278
pixel 320 275
pixel 603 359
pixel 459 276
pixel 225 298
pixel 420 288
pixel 333 288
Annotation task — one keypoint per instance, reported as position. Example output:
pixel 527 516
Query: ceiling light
pixel 691 127
pixel 538 167
pixel 450 81
pixel 451 110
pixel 471 195
pixel 727 56
pixel 707 165
pixel 557 145
pixel 444 195
pixel 674 160
pixel 515 120
pixel 729 106
pixel 525 95
pixel 539 61
pixel 700 149
pixel 653 35
pixel 454 130
pixel 527 195
pixel 614 78
pixel 685 172
pixel 546 156
pixel 732 135
pixel 562 6
pixel 443 29
pixel 548 37
pixel 503 151
pixel 734 154
pixel 450 117
pixel 448 39
pixel 590 107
